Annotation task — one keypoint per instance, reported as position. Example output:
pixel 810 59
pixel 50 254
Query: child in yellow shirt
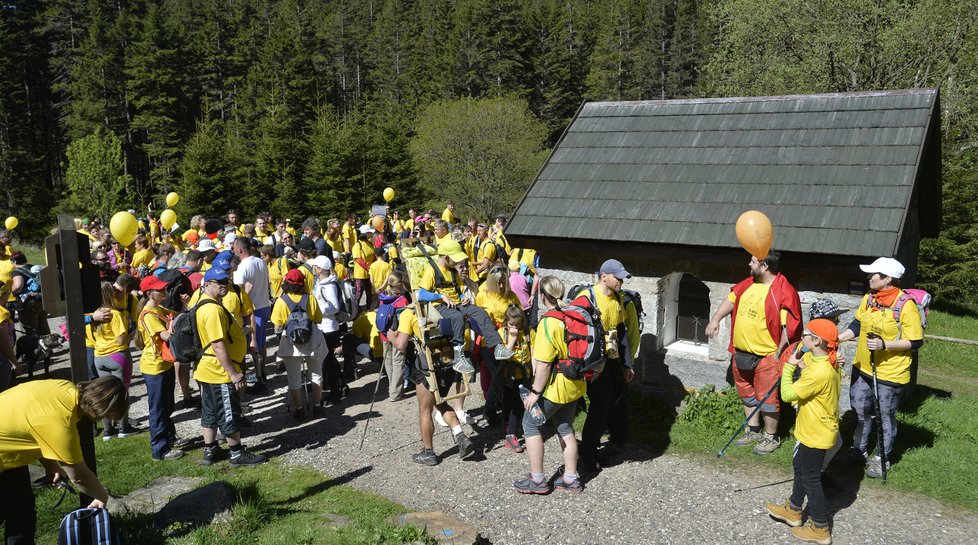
pixel 515 371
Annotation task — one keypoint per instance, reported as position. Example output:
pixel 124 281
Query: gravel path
pixel 645 499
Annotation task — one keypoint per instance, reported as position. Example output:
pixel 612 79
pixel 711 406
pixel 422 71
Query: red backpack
pixel 584 335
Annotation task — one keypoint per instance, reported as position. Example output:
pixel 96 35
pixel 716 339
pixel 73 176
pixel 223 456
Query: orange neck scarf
pixel 885 297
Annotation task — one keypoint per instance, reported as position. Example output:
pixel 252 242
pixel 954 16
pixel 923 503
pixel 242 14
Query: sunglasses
pixel 220 282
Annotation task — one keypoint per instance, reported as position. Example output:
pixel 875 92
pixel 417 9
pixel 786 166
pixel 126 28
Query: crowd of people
pixel 330 295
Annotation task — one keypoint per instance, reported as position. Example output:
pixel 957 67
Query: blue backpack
pixel 32 284
pixel 388 312
pixel 88 526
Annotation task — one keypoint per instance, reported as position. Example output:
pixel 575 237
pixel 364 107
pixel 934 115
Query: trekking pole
pixel 878 412
pixel 370 411
pixel 744 425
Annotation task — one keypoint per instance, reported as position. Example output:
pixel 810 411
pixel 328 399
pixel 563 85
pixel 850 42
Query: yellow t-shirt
pixel 213 324
pixel 379 271
pixel 276 275
pixel 487 250
pixel 238 304
pixel 142 257
pixel 153 322
pixel 4 320
pixel 205 266
pixel 349 237
pixel 448 216
pixel 427 281
pixel 501 240
pixel 310 277
pixel 341 272
pixel 364 251
pixel 521 368
pixel 365 327
pixel 891 365
pixel 39 421
pixel 105 334
pixel 280 310
pixel 612 311
pixel 525 256
pixel 408 224
pixel 495 305
pixel 335 244
pixel 751 333
pixel 550 346
pixel 6 273
pixel 397 226
pixel 817 393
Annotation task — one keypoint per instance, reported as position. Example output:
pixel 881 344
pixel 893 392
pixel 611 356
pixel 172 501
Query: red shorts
pixel 752 386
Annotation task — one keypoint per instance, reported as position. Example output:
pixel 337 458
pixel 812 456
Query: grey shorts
pixel 559 417
pixel 220 407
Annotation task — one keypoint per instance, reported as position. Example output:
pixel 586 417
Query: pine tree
pixel 558 60
pixel 209 169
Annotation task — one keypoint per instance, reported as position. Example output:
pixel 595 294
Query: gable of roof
pixel 835 173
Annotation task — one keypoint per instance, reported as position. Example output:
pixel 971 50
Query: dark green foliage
pixel 711 410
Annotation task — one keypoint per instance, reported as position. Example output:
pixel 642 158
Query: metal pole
pixel 880 438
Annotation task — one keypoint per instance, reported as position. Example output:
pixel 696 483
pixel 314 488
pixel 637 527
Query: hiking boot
pixel 426 457
pixel 574 487
pixel 178 442
pixel 464 417
pixel 785 513
pixel 767 444
pixel 502 353
pixel 874 469
pixel 172 454
pixel 529 486
pixel 213 455
pixel 465 446
pixel 244 458
pixel 748 438
pixel 299 414
pixel 513 443
pixel 813 534
pixel 462 363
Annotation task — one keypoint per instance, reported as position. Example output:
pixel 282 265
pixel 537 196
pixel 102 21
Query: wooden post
pixel 74 315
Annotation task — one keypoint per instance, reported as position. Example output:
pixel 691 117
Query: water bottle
pixel 536 414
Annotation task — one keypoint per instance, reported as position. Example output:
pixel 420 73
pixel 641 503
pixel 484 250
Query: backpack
pixel 919 297
pixel 32 283
pixel 388 312
pixel 348 307
pixel 584 336
pixel 88 526
pixel 634 297
pixel 184 340
pixel 298 326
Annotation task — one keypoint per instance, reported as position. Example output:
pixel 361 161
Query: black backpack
pixel 299 326
pixel 634 297
pixel 185 341
pixel 88 526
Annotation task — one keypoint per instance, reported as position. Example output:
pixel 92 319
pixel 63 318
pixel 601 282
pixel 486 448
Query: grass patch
pixel 934 448
pixel 275 504
pixel 35 254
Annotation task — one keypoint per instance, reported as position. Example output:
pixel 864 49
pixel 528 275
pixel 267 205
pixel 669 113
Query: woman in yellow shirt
pixel 817 425
pixel 295 295
pixel 158 372
pixel 40 422
pixel 112 356
pixel 557 395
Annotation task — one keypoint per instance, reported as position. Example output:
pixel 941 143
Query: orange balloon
pixel 377 222
pixel 755 233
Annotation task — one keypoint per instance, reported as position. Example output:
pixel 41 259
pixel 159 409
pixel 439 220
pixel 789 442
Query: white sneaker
pixel 439 419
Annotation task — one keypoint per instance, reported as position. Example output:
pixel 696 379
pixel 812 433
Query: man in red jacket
pixel 765 317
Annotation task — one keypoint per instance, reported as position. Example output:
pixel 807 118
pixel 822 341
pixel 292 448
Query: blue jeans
pixel 159 393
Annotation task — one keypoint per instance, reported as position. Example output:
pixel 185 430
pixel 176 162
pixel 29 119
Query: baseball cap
pixel 295 276
pixel 885 265
pixel 306 245
pixel 322 262
pixel 222 260
pixel 452 250
pixel 824 308
pixel 366 228
pixel 216 275
pixel 615 268
pixel 206 245
pixel 152 282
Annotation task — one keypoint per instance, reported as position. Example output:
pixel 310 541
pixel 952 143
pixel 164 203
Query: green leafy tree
pixel 97 182
pixel 481 153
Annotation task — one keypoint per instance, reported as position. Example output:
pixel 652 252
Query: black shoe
pixel 127 429
pixel 465 446
pixel 588 464
pixel 244 458
pixel 425 457
pixel 299 414
pixel 258 388
pixel 213 454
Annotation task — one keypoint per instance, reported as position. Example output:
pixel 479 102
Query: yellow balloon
pixel 755 233
pixel 389 194
pixel 172 199
pixel 168 218
pixel 123 227
pixel 11 223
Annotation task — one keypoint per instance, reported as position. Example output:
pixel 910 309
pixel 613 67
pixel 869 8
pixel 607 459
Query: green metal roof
pixel 835 172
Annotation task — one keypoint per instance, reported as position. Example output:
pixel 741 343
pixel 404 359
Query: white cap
pixel 366 228
pixel 886 266
pixel 322 262
pixel 229 238
pixel 206 244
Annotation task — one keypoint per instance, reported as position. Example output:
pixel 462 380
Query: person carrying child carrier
pixel 607 397
pixel 555 394
pixel 440 284
pixel 888 326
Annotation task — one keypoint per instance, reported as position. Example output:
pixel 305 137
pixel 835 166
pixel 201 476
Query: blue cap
pixel 615 268
pixel 222 260
pixel 215 274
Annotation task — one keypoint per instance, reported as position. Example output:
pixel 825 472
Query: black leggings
pixel 331 366
pixel 513 406
pixel 808 482
pixel 17 506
